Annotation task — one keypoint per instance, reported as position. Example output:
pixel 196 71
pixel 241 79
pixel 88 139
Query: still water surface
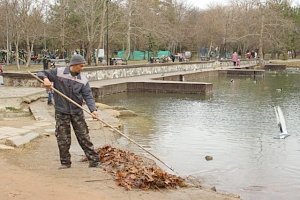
pixel 235 125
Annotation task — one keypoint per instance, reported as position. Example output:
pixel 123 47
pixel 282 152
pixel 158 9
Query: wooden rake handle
pixel 110 126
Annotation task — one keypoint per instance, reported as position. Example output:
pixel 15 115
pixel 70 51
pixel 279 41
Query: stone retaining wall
pixel 113 72
pixel 96 74
pixel 20 80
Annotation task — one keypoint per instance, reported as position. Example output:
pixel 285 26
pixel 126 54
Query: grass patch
pixel 137 62
pixel 23 68
pixel 11 109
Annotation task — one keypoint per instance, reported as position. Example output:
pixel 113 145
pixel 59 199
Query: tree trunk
pixel 101 39
pixel 261 55
pixel 128 46
pixel 88 54
pixel 7 41
pixel 28 49
pixel 17 54
pixel 128 33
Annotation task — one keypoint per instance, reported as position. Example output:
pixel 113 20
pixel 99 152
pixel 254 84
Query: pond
pixel 236 125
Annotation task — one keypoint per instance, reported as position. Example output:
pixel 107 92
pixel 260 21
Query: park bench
pixel 58 62
pixel 118 61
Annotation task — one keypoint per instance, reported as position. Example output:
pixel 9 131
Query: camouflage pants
pixel 63 135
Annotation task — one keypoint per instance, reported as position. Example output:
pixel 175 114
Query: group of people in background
pixel 235 57
pixel 251 54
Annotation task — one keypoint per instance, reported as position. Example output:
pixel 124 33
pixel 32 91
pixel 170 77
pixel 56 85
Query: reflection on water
pixel 235 125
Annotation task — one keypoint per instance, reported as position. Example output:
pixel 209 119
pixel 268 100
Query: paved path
pixel 13 92
pixel 14 134
pixel 13 97
pixel 41 111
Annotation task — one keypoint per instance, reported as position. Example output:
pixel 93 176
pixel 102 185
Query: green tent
pixel 120 54
pixel 137 55
pixel 143 55
pixel 163 53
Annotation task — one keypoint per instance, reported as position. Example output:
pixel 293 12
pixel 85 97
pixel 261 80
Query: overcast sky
pixel 203 4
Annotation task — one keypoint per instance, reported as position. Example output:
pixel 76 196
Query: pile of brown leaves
pixel 131 171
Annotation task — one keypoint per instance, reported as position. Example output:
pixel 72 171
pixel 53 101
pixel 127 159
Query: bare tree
pixel 15 28
pixel 31 16
pixel 92 13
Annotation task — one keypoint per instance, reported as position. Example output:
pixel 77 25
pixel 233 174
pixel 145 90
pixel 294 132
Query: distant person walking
pixel 1 77
pixel 74 85
pixel 1 69
pixel 173 57
pixel 50 95
pixel 234 58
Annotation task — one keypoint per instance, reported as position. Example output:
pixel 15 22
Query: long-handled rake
pixel 110 126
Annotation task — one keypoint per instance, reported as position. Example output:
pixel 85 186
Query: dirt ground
pixel 31 173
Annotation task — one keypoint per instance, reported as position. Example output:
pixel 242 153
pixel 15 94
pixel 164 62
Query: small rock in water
pixel 213 189
pixel 208 158
pixel 127 113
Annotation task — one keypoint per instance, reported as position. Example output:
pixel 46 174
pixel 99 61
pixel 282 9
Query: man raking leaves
pixel 69 82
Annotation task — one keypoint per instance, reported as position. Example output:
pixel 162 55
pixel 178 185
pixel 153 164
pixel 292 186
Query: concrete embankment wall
pixel 109 89
pixel 104 73
pixel 154 87
pixel 115 72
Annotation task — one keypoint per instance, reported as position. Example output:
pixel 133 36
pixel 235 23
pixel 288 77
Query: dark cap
pixel 77 59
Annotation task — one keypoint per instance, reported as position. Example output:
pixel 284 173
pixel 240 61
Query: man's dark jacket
pixel 75 87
